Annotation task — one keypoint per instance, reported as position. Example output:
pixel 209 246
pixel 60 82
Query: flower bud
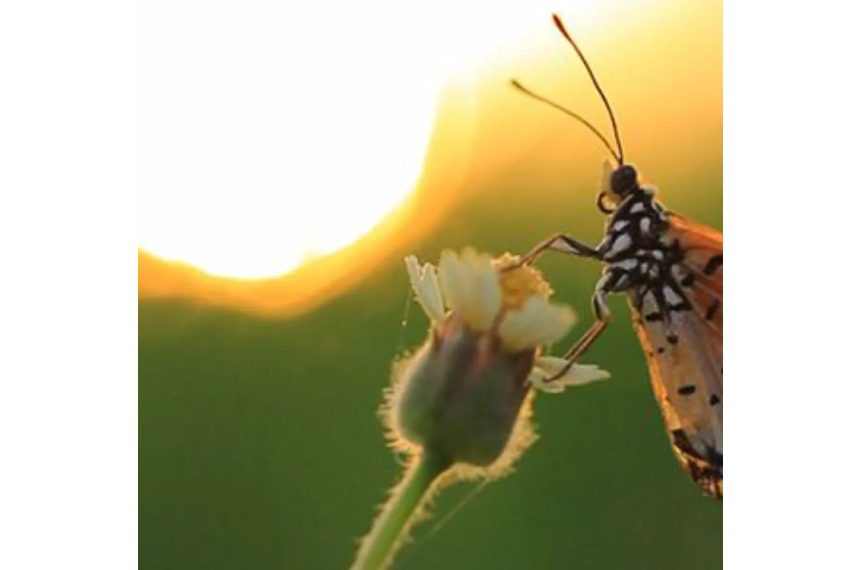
pixel 461 394
pixel 464 395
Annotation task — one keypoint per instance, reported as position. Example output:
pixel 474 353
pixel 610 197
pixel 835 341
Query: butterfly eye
pixel 624 179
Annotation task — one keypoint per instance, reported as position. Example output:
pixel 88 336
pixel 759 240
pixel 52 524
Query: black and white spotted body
pixel 671 271
pixel 639 259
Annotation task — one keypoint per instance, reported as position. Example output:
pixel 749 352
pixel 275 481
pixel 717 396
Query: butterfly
pixel 671 270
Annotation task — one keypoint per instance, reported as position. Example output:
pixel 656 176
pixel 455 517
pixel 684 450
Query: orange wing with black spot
pixel 685 354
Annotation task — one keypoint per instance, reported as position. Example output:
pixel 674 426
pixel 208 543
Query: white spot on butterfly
pixel 620 225
pixel 626 264
pixel 648 300
pixel 671 297
pixel 622 243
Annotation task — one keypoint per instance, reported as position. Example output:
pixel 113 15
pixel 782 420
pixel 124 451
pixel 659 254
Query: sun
pixel 264 146
pixel 278 135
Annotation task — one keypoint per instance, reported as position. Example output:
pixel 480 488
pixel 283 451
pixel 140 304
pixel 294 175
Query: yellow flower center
pixel 520 283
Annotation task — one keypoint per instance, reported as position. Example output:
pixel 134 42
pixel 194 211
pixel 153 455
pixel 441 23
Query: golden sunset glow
pixel 306 162
pixel 306 155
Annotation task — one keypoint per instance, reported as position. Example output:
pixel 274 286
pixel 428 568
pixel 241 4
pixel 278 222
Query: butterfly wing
pixel 700 273
pixel 684 349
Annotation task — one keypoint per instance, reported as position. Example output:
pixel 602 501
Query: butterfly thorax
pixel 634 247
pixel 637 223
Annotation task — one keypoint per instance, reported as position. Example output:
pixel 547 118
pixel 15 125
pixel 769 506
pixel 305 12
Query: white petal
pixel 538 380
pixel 486 301
pixel 426 287
pixel 578 374
pixel 537 323
pixel 451 280
pixel 471 287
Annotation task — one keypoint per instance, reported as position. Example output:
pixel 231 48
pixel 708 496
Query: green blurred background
pixel 260 446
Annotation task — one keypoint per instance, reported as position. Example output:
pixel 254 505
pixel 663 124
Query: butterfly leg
pixel 558 242
pixel 602 314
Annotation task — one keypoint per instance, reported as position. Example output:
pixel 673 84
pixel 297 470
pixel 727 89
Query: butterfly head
pixel 623 181
pixel 616 185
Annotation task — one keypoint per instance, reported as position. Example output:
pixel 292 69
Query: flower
pixel 460 397
pixel 460 405
pixel 496 297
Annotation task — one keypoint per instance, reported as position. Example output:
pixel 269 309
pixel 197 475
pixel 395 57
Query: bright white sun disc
pixel 276 134
pixel 279 144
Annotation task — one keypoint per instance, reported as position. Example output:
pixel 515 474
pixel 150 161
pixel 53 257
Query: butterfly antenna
pixel 560 25
pixel 570 113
